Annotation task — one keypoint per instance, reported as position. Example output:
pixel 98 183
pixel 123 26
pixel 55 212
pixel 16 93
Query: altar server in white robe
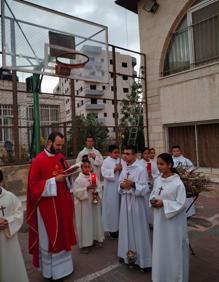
pixel 170 258
pixel 134 231
pixel 93 154
pixel 11 219
pixel 180 160
pixel 111 169
pixel 87 214
pixel 152 172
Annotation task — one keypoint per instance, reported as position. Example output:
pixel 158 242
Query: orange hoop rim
pixel 72 66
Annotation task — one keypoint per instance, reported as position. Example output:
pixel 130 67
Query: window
pixel 114 115
pixel 102 60
pixel 111 61
pixel 125 77
pixel 93 101
pixel 93 87
pixel 103 87
pixel 124 65
pixel 6 119
pixel 104 101
pixel 49 115
pixel 125 90
pixel 105 114
pixel 113 102
pixel 82 102
pixel 196 40
pixel 78 105
pixel 111 75
pixel 112 88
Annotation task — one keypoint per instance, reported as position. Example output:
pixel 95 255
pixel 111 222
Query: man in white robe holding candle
pixel 111 169
pixel 134 234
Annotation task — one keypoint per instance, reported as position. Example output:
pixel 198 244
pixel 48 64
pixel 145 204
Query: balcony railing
pixel 94 107
pixel 94 92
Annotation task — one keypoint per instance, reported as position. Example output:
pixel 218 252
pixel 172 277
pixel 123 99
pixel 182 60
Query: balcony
pixel 134 73
pixel 94 107
pixel 93 92
pixel 134 61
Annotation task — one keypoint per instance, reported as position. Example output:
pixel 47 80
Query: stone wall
pixel 15 178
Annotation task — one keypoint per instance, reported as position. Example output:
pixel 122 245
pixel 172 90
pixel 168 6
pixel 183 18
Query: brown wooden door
pixel 208 145
pixel 184 136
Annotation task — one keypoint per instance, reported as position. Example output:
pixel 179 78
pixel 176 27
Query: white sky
pixel 122 24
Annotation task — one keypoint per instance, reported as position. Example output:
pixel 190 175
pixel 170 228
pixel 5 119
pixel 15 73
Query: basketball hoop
pixel 64 68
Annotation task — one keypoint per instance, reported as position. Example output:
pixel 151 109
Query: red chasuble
pixel 56 212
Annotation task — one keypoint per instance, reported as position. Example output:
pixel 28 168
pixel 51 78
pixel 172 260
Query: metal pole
pixel 115 94
pixel 73 112
pixel 196 145
pixel 13 44
pixel 146 99
pixel 36 113
pixel 3 32
pixel 15 117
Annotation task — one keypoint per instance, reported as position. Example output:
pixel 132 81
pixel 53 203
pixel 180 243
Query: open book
pixel 72 169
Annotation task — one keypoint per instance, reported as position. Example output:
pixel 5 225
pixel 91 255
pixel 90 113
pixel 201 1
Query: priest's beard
pixel 53 150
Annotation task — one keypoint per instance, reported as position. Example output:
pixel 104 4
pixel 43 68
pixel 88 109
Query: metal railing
pixel 193 46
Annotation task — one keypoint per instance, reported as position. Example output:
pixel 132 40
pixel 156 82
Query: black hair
pixel 85 161
pixel 113 147
pixel 167 158
pixel 85 158
pixel 152 149
pixel 53 135
pixel 90 137
pixel 145 149
pixel 175 147
pixel 1 176
pixel 132 148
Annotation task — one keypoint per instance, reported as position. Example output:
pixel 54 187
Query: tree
pixel 132 121
pixel 86 126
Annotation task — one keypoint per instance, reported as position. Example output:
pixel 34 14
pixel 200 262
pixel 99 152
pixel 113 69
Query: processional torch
pixel 131 255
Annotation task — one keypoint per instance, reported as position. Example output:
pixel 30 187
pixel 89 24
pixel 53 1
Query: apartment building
pixel 91 97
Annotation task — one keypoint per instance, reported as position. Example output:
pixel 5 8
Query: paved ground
pixel 101 265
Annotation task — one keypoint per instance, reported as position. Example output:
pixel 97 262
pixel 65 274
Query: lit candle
pixel 93 179
pixel 149 167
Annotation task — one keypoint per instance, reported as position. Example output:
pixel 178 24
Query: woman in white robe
pixel 87 214
pixel 110 170
pixel 170 258
pixel 11 212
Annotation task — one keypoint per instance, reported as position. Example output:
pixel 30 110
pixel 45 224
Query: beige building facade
pixel 181 43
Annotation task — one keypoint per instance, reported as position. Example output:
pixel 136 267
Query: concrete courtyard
pixel 101 264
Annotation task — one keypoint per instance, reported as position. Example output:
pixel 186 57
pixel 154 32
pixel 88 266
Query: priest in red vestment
pixel 50 212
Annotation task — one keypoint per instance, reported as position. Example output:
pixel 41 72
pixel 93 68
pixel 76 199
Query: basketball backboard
pixel 33 35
